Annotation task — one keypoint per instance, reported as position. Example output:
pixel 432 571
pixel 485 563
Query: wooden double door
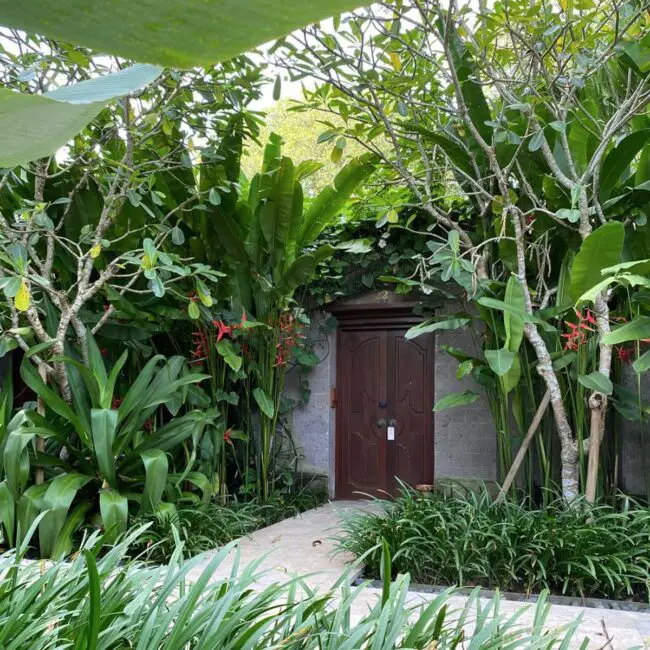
pixel 384 411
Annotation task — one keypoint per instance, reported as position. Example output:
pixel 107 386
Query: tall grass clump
pixel 583 551
pixel 111 603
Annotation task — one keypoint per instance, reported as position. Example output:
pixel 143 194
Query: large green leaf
pixel 433 325
pixel 156 467
pixel 600 250
pixel 72 523
pixel 275 215
pixel 227 350
pixel 7 511
pixel 172 33
pixel 619 159
pixel 57 499
pixel 514 324
pixel 636 330
pixel 264 402
pixel 29 507
pixel 16 461
pixel 500 361
pixel 114 509
pixel 304 267
pixel 328 204
pixel 104 426
pixel 456 399
pixel 31 377
pixel 596 381
pixel 34 126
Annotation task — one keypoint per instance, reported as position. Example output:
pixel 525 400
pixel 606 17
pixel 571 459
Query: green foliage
pixel 207 34
pixel 120 603
pixel 596 551
pixel 111 448
pixel 209 526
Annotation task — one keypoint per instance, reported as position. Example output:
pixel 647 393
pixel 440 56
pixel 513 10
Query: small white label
pixel 391 433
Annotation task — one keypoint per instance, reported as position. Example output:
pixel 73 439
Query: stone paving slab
pixel 303 546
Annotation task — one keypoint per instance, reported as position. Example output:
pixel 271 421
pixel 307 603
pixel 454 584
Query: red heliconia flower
pixel 200 351
pixel 223 329
pixel 577 335
pixel 115 403
pixel 624 354
pixel 226 436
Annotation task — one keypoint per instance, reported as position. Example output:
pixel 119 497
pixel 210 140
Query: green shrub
pixel 111 603
pixel 597 551
pixel 206 527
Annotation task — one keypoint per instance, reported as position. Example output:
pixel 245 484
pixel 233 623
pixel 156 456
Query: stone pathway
pixel 304 547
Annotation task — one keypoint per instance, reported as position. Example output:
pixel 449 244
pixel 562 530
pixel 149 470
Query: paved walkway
pixel 304 545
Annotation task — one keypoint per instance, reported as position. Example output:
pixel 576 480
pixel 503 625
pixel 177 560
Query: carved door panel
pixel 384 423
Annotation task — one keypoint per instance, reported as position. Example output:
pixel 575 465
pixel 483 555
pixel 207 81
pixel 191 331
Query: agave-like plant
pixel 98 456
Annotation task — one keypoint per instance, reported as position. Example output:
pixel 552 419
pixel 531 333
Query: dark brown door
pixel 384 418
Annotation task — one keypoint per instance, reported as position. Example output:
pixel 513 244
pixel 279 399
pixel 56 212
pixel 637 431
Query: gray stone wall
pixel 633 439
pixel 465 444
pixel 313 424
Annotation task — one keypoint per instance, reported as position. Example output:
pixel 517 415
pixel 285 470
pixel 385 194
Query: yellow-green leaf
pixel 395 61
pixel 95 251
pixel 22 299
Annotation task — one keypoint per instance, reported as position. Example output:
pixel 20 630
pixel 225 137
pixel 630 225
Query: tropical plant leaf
pixel 618 160
pixel 7 512
pixel 599 251
pixel 636 330
pixel 57 499
pixel 35 126
pixel 29 506
pixel 114 509
pixel 264 402
pixel 156 467
pixel 227 350
pixel 456 399
pixel 31 377
pixel 104 427
pixel 598 382
pixel 435 325
pixel 166 32
pixel 500 361
pixel 514 324
pixel 328 204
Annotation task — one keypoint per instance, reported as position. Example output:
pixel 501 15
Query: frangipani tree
pixel 535 116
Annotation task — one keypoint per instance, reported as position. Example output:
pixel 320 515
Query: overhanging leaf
pixel 104 426
pixel 619 159
pixel 114 509
pixel 34 126
pixel 156 467
pixel 172 33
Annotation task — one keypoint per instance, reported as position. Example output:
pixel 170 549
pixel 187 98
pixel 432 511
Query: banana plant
pixel 101 459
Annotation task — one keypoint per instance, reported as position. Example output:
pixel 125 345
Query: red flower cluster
pixel 577 335
pixel 289 337
pixel 200 350
pixel 115 403
pixel 226 436
pixel 227 330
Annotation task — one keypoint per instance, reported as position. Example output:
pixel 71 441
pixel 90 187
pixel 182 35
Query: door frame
pixel 362 316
